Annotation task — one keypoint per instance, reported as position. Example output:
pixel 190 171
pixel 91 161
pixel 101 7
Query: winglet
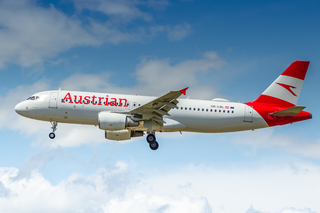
pixel 183 91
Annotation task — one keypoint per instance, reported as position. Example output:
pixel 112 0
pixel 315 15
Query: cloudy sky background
pixel 226 49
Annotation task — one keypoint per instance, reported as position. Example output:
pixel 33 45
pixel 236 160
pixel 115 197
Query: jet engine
pixel 124 134
pixel 115 121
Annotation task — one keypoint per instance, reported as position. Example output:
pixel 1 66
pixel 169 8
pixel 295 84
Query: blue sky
pixel 226 49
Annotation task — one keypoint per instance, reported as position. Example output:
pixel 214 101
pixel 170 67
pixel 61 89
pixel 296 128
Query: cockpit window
pixel 32 98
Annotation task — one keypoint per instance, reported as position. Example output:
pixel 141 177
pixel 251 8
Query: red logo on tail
pixel 288 87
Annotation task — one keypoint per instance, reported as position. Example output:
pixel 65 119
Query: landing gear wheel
pixel 54 128
pixel 154 145
pixel 52 135
pixel 151 138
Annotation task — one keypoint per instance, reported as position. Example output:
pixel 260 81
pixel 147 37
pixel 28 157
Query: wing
pixel 159 107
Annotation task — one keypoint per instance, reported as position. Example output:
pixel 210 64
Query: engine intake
pixel 115 121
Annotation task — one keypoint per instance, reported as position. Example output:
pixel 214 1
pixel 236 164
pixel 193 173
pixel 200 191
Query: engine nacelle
pixel 115 121
pixel 122 134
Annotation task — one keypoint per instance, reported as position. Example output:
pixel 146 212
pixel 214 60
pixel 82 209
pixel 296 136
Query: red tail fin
pixel 285 90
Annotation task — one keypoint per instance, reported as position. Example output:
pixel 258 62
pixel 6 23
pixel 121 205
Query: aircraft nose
pixel 19 108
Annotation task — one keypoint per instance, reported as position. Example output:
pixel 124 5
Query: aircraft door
pixel 53 102
pixel 248 114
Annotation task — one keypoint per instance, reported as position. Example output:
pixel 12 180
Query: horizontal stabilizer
pixel 293 111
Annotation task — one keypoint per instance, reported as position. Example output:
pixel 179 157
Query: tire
pixel 151 138
pixel 154 145
pixel 52 135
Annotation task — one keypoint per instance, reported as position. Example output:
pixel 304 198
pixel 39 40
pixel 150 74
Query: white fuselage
pixel 191 115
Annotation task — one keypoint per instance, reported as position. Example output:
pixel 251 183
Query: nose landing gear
pixel 153 144
pixel 54 128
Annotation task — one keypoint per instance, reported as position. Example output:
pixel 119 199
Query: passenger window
pixel 210 110
pixel 224 111
pixel 220 110
pixel 215 110
pixel 202 109
pixel 198 109
pixel 207 110
pixel 181 107
pixel 232 111
pixel 194 108
pixel 228 111
pixel 190 108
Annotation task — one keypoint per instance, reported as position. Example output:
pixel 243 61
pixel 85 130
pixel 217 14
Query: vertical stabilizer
pixel 285 90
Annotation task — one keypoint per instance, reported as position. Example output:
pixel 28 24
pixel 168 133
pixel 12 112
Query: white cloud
pixel 112 190
pixel 107 32
pixel 293 210
pixel 122 10
pixel 87 82
pixel 70 135
pixel 174 33
pixel 30 33
pixel 10 119
pixel 191 189
pixel 178 32
pixel 285 210
pixel 38 161
pixel 267 138
pixel 155 77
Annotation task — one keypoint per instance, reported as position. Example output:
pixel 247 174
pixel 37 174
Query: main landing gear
pixel 153 144
pixel 54 128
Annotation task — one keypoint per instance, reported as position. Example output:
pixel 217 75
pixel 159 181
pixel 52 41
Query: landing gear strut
pixel 153 144
pixel 54 128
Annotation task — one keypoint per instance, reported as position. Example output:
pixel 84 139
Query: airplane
pixel 125 116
